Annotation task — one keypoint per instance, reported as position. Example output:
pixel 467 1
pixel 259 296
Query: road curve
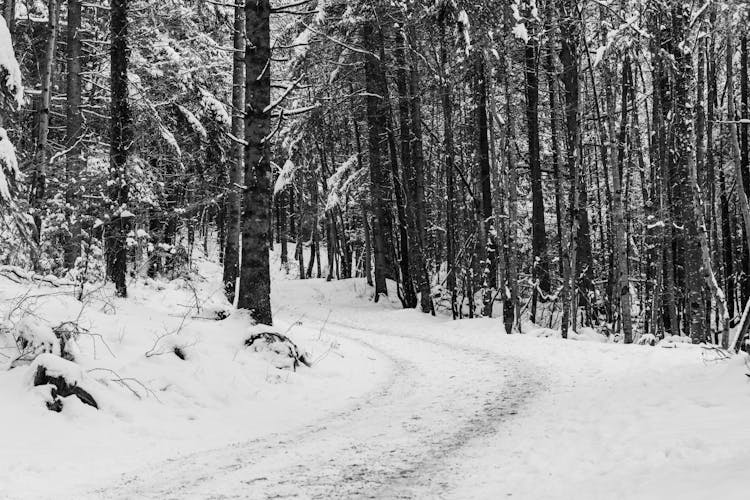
pixel 397 442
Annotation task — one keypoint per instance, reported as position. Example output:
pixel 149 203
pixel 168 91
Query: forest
pixel 578 164
pixel 374 249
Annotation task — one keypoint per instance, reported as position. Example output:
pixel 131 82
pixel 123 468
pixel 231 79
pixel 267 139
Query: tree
pixel 255 275
pixel 39 182
pixel 236 172
pixel 380 180
pixel 121 139
pixel 539 233
pixel 74 128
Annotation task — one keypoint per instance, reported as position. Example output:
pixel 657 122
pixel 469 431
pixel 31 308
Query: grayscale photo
pixel 374 249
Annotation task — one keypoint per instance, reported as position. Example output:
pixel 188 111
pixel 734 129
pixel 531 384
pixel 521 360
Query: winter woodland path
pixel 465 411
pixel 394 443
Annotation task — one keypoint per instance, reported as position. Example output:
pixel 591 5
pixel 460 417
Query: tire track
pixel 395 443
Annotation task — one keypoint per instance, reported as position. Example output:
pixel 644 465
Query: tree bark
pixel 488 266
pixel 73 130
pixel 745 153
pixel 696 164
pixel 449 158
pixel 380 182
pixel 683 152
pixel 255 278
pixel 418 187
pixel 569 58
pixel 39 179
pixel 620 224
pixel 734 142
pixel 236 164
pixel 120 144
pixel 539 263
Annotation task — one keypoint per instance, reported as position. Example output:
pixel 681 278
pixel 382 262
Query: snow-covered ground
pixel 398 405
pixel 220 394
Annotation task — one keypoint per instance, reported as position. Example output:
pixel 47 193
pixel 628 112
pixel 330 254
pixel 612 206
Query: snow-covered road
pixel 394 443
pixel 460 410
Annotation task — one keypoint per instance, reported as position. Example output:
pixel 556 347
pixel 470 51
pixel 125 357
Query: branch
pixel 283 96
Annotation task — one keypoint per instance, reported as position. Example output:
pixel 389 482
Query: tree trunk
pixel 734 142
pixel 569 58
pixel 619 222
pixel 411 161
pixel 512 307
pixel 236 164
pixel 284 230
pixel 562 234
pixel 539 234
pixel 120 143
pixel 300 245
pixel 367 258
pixel 417 187
pixel 488 266
pixel 380 183
pixel 73 131
pixel 255 278
pixel 695 165
pixel 745 152
pixel 449 152
pixel 407 296
pixel 683 150
pixel 39 179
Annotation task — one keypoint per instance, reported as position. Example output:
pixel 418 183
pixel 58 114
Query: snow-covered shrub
pixel 277 349
pixel 589 334
pixel 34 339
pixel 647 339
pixel 67 334
pixel 674 340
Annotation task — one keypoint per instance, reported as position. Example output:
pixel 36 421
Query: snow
pixel 520 32
pixel 285 177
pixel 338 183
pixel 153 405
pixel 169 137
pixel 397 404
pixel 465 27
pixel 212 105
pixel 8 165
pixel 195 124
pixel 56 366
pixel 38 336
pixel 301 43
pixel 9 63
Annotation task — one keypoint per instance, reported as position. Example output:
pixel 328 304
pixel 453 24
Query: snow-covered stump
pixel 63 377
pixel 278 350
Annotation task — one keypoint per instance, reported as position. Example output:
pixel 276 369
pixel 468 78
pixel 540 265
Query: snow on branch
pixel 337 184
pixel 285 178
pixel 8 167
pixel 194 122
pixel 284 95
pixel 9 64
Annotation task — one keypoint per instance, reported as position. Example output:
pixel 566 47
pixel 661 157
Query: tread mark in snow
pixel 396 443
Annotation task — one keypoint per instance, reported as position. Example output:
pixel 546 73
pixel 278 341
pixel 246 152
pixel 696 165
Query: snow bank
pixel 153 404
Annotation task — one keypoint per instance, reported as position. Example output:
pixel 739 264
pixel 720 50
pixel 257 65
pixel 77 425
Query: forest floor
pixel 397 405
